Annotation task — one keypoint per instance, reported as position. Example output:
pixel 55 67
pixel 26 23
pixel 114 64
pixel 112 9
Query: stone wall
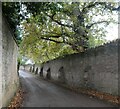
pixel 36 68
pixel 0 55
pixel 94 69
pixel 8 59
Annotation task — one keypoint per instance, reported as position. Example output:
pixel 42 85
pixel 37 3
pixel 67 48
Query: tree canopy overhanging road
pixel 50 29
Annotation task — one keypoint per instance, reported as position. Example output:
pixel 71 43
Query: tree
pixel 55 29
pixel 42 50
pixel 15 13
pixel 71 26
pixel 72 22
pixel 12 13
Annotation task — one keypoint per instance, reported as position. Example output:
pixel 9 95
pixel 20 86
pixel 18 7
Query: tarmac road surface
pixel 41 93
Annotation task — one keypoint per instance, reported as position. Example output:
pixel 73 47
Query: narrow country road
pixel 41 93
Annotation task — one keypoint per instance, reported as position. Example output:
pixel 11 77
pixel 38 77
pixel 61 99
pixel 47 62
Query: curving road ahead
pixel 41 93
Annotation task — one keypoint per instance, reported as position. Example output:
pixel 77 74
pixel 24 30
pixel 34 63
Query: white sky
pixel 112 30
pixel 29 62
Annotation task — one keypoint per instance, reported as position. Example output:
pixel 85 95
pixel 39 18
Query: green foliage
pixel 52 29
pixel 93 42
pixel 11 11
pixel 57 29
pixel 41 50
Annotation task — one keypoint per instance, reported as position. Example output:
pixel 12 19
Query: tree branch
pixel 70 26
pixel 85 9
pixel 107 6
pixel 89 26
pixel 112 7
pixel 116 9
pixel 54 36
pixel 45 38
